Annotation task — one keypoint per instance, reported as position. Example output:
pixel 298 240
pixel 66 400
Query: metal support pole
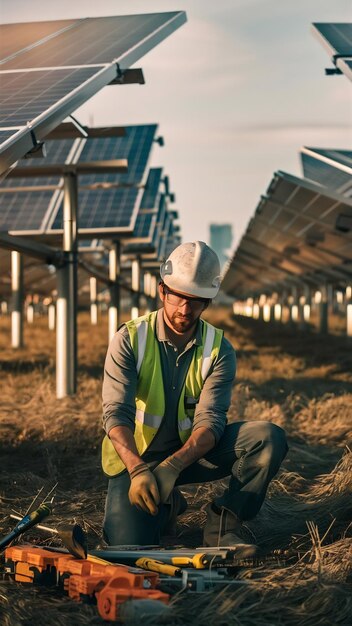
pixel 51 316
pixel 349 311
pixel 17 300
pixel 323 311
pixel 30 313
pixel 307 305
pixel 278 312
pixel 136 281
pixel 293 304
pixel 93 301
pixel 66 335
pixel 114 275
pixel 331 299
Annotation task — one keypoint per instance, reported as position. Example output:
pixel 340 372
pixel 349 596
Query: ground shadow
pixel 24 366
pixel 315 349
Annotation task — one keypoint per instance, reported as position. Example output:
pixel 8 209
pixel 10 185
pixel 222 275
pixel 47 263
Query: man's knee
pixel 274 443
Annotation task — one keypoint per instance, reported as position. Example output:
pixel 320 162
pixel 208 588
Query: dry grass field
pixel 303 382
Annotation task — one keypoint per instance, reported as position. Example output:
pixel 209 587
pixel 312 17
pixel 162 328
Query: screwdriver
pixel 29 520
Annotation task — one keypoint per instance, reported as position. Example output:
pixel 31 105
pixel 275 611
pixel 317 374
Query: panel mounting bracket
pixel 330 71
pixel 132 76
pixel 38 151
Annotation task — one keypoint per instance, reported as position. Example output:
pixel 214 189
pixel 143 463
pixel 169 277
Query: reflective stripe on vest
pixel 150 398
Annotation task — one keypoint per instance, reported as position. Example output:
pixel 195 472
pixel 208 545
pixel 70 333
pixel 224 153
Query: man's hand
pixel 166 474
pixel 143 491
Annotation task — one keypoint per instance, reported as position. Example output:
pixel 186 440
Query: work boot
pixel 224 528
pixel 177 504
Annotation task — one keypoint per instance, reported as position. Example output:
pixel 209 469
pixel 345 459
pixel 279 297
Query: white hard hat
pixel 192 268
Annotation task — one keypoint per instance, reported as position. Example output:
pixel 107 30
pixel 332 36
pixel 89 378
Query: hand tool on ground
pixel 27 522
pixel 200 558
pixel 74 539
pixel 158 566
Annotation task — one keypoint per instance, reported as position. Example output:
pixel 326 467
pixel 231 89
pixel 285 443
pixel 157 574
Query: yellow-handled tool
pixel 158 566
pixel 198 561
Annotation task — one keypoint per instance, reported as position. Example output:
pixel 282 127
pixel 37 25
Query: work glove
pixel 166 474
pixel 143 492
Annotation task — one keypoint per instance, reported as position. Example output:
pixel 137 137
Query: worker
pixel 167 389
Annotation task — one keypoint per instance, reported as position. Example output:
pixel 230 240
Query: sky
pixel 236 92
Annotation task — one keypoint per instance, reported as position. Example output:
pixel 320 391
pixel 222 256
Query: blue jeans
pixel 250 453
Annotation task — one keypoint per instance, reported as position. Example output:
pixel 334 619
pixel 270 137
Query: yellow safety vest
pixel 150 400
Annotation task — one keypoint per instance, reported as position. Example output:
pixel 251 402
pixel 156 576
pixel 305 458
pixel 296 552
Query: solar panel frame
pixel 273 250
pixel 22 140
pixel 331 168
pixel 336 38
pixel 95 206
pixel 136 144
pixel 345 65
pixel 27 212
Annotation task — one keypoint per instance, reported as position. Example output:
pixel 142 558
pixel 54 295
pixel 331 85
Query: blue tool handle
pixel 26 523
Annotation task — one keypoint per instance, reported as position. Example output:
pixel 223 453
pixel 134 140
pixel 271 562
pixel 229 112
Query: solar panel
pixel 113 210
pixel 25 212
pixel 108 209
pixel 52 73
pixel 331 168
pixel 300 231
pixel 145 225
pixel 135 145
pixel 97 40
pixel 26 95
pixel 20 36
pixel 151 191
pixel 337 40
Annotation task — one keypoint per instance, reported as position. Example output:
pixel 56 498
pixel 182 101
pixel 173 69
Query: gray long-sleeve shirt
pixel 120 385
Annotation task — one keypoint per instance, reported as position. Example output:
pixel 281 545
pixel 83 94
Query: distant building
pixel 221 241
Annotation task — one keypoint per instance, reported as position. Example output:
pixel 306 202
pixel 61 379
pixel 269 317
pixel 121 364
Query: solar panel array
pixel 146 232
pixel 102 212
pixel 301 233
pixel 49 69
pixel 331 168
pixel 23 211
pixel 337 40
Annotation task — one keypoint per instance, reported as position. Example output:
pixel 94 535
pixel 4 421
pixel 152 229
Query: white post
pixel 349 320
pixel 93 301
pixel 17 300
pixel 323 310
pixel 136 280
pixel 114 275
pixel 62 369
pixel 30 313
pixel 266 312
pixel 277 312
pixel 349 311
pixel 51 316
pixel 66 335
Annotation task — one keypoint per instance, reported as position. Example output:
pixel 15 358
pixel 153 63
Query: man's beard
pixel 181 323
